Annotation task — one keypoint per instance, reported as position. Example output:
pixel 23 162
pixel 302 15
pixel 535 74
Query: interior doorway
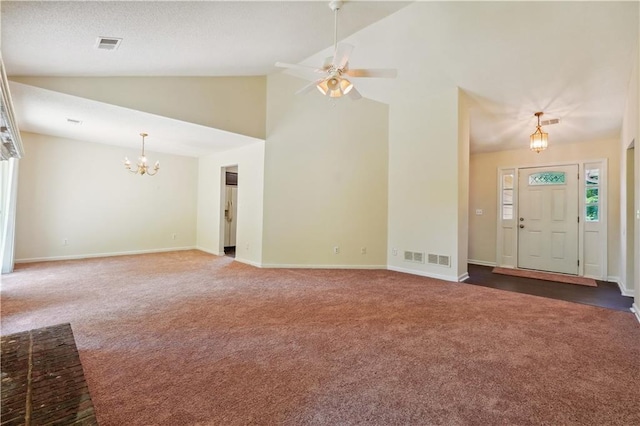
pixel 548 219
pixel 230 217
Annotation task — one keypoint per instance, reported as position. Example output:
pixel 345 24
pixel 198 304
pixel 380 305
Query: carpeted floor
pixel 188 338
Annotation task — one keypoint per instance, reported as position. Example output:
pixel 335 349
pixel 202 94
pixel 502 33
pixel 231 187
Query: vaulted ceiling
pixel 573 59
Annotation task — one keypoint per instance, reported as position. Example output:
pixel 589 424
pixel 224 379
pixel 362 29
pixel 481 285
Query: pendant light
pixel 538 140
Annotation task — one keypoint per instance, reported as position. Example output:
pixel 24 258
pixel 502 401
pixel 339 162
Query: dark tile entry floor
pixel 606 295
pixel 42 379
pixel 230 251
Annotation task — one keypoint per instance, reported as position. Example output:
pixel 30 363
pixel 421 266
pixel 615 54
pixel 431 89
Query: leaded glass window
pixel 547 178
pixel 507 196
pixel 592 177
pixel 592 195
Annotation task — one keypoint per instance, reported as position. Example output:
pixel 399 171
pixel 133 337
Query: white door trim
pixel 504 227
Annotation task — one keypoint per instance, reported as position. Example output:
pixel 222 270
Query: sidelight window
pixel 592 195
pixel 507 196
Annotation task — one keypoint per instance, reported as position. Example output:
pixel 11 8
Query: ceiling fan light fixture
pixel 345 86
pixel 323 87
pixel 335 93
pixel 332 84
pixel 538 141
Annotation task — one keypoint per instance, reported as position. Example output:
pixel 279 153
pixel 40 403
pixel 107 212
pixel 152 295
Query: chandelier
pixel 143 168
pixel 538 140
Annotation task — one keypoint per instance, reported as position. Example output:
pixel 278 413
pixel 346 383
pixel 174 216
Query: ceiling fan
pixel 333 81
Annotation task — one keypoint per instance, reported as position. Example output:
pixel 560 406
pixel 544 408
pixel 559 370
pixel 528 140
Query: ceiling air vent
pixel 548 122
pixel 108 43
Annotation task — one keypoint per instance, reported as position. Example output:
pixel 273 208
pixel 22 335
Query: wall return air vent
pixel 438 259
pixel 414 256
pixel 108 43
pixel 432 259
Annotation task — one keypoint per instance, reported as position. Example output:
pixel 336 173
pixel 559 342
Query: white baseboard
pixel 300 266
pixel 636 311
pixel 248 262
pixel 623 289
pixel 215 253
pixel 93 255
pixel 463 277
pixel 423 274
pixel 481 262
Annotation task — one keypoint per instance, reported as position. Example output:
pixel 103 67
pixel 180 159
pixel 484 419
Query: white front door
pixel 548 219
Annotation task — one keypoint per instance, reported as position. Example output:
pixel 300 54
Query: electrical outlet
pixel 363 250
pixel 479 212
pixel 336 250
pixel 394 251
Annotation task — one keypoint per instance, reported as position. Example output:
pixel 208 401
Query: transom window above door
pixel 547 178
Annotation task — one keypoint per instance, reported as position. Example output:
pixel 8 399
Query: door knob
pixel 521 226
pixel 521 219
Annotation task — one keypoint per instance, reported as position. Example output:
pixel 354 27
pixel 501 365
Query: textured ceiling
pixel 172 38
pixel 571 59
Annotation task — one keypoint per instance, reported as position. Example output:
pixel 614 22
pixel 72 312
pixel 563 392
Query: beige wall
pixel 483 193
pixel 250 162
pixel 234 104
pixel 424 181
pixel 325 179
pixel 428 144
pixel 630 223
pixel 80 192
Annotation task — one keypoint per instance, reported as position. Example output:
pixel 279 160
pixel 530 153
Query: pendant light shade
pixel 538 141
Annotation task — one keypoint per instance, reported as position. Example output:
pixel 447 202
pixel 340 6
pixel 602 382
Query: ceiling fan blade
pixel 308 87
pixel 373 72
pixel 354 94
pixel 341 56
pixel 299 67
